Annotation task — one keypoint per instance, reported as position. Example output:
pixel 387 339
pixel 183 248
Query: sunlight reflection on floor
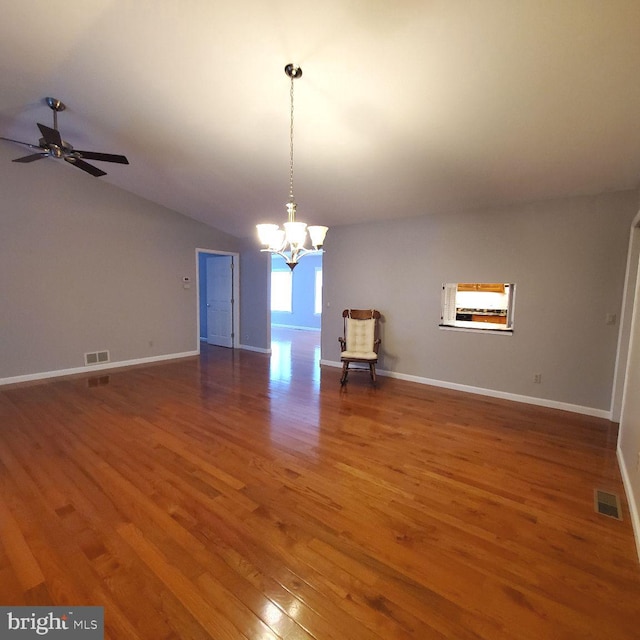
pixel 295 362
pixel 280 361
pixel 295 353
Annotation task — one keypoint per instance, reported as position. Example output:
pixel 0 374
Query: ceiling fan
pixel 52 145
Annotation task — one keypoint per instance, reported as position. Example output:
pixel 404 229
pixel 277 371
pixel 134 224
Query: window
pixel 281 291
pixel 485 306
pixel 317 301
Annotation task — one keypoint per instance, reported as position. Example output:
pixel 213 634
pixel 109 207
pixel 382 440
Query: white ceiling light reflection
pixel 294 609
pixel 272 614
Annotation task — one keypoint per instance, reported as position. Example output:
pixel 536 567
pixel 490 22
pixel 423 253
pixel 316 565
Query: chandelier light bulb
pixel 266 233
pixel 317 234
pixel 295 233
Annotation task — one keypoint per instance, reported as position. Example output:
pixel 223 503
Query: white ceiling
pixel 405 107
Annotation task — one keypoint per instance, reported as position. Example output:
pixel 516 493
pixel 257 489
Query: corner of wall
pixel 631 499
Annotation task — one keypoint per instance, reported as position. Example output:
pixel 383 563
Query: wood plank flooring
pixel 237 496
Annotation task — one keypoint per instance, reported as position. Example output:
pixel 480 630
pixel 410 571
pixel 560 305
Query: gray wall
pixel 85 266
pixel 255 288
pixel 567 258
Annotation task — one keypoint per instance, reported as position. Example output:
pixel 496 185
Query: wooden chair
pixel 360 341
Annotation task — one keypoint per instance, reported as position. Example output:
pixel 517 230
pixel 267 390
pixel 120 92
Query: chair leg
pixel 345 373
pixel 372 369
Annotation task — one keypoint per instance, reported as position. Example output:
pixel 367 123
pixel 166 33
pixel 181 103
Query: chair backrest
pixel 360 329
pixel 361 314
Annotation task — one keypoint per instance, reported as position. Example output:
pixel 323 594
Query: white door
pixel 220 300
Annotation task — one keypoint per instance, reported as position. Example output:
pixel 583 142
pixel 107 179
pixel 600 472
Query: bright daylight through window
pixel 317 303
pixel 484 306
pixel 281 290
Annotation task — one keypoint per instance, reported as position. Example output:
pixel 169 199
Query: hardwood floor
pixel 236 496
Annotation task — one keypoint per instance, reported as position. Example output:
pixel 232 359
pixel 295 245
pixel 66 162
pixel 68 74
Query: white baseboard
pixel 296 327
pixel 590 411
pixel 30 377
pixel 256 349
pixel 631 499
pixel 542 402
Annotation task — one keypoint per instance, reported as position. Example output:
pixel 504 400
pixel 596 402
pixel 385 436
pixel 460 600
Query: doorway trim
pixel 624 336
pixel 627 365
pixel 236 293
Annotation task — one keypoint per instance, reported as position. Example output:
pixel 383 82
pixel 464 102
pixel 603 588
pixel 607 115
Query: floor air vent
pixel 98 357
pixel 607 504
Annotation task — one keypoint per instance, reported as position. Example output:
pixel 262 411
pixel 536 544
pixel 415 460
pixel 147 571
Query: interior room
pixel 165 459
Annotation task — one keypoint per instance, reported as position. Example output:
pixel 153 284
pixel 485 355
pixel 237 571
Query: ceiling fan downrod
pixel 55 105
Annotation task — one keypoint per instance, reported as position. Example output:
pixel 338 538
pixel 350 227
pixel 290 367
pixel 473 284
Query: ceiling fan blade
pixel 85 166
pixel 105 157
pixel 26 144
pixel 32 158
pixel 51 136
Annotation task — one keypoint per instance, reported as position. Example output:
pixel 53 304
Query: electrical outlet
pixel 537 378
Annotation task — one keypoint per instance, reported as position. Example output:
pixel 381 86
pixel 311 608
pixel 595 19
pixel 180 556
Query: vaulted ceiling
pixel 406 107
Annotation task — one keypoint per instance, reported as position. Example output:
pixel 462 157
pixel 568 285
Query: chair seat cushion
pixel 359 355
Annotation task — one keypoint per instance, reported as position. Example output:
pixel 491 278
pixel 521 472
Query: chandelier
pixel 289 242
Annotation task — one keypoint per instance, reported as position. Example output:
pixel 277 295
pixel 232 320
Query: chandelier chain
pixel 291 199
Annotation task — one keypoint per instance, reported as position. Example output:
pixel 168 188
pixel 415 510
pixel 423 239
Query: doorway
pixel 296 309
pixel 218 303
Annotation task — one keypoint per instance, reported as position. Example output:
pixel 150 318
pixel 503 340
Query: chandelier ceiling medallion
pixel 289 242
